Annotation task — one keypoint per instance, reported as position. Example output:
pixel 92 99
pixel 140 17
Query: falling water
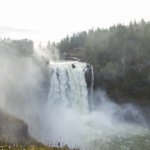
pixel 68 86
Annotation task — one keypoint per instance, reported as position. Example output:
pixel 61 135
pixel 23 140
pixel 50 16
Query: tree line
pixel 120 56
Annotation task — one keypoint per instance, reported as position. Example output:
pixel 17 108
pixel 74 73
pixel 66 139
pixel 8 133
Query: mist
pixel 25 86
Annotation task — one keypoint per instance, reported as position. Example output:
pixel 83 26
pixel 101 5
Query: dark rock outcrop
pixel 88 75
pixel 73 66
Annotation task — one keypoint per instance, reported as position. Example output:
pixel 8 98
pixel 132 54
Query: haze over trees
pixel 120 56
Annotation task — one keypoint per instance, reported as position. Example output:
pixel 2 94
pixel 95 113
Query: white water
pixel 68 86
pixel 70 119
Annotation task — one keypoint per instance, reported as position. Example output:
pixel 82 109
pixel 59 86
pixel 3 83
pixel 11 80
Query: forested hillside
pixel 120 56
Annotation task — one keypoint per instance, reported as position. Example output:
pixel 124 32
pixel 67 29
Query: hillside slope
pixel 14 130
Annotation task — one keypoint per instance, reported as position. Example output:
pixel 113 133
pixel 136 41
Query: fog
pixel 22 85
pixel 24 90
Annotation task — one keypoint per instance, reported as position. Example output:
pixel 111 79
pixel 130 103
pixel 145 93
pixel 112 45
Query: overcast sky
pixel 54 19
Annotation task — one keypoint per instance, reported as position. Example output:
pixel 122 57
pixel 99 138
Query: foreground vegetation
pixel 4 146
pixel 120 56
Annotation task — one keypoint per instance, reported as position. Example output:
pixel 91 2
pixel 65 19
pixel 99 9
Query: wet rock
pixel 88 75
pixel 73 66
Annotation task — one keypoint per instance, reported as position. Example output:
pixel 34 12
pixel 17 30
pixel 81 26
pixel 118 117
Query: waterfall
pixel 54 99
pixel 71 116
pixel 68 86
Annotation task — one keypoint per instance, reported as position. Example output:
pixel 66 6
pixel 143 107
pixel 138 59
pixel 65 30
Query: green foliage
pixel 75 42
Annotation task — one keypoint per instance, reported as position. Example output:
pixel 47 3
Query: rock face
pixel 88 75
pixel 13 130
